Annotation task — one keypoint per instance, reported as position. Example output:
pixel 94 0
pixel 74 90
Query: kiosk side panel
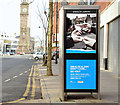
pixel 61 52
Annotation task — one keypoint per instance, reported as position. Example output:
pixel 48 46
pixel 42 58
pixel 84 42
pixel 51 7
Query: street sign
pixel 79 48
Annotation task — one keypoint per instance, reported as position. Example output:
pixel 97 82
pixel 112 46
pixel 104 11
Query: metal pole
pixel 56 31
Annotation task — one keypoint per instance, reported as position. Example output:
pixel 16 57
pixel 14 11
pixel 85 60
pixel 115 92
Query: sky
pixel 10 17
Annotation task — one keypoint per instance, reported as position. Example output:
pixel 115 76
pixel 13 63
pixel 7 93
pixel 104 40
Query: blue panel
pixel 80 74
pixel 80 51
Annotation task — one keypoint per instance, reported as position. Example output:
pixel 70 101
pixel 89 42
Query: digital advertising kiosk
pixel 79 49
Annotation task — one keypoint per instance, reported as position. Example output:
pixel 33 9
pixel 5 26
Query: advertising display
pixel 79 49
pixel 81 74
pixel 81 27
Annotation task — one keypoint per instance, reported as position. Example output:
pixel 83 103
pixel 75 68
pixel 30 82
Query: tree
pixel 44 19
pixel 49 66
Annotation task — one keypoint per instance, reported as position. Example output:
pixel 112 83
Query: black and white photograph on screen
pixel 81 31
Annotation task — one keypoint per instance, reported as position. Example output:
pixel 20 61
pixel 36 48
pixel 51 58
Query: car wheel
pixel 36 58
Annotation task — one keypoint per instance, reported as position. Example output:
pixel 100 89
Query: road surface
pixel 17 78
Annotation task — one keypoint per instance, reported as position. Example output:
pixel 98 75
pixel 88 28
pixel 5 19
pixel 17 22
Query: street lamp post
pixel 56 31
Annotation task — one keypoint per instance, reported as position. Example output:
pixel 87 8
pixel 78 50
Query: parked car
pixel 22 53
pixel 53 55
pixel 38 55
pixel 18 53
pixel 7 53
pixel 12 53
pixel 1 53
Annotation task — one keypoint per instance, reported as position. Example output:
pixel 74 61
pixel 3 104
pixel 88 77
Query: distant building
pixel 8 43
pixel 109 30
pixel 38 45
pixel 32 44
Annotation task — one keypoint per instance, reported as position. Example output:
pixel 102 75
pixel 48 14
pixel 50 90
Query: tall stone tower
pixel 24 40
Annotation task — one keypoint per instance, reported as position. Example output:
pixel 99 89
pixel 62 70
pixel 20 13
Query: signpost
pixel 79 49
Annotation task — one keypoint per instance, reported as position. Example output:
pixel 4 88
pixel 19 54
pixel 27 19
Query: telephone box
pixel 79 49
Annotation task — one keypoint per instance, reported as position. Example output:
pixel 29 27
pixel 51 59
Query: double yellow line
pixel 33 85
pixel 33 70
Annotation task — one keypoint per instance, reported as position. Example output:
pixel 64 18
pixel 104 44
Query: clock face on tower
pixel 24 9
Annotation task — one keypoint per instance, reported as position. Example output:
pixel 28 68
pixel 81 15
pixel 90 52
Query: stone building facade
pixel 24 40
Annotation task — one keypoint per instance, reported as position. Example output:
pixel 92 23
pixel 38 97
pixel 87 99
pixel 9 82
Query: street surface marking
pixel 43 69
pixel 29 83
pixel 37 62
pixel 15 76
pixel 21 74
pixel 33 85
pixel 7 80
pixel 31 58
pixel 16 100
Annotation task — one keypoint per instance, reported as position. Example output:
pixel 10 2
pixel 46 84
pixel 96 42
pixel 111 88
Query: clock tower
pixel 24 40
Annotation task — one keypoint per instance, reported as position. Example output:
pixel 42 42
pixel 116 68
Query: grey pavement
pixel 51 87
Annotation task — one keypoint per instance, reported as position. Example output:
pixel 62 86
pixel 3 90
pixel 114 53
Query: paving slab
pixel 51 87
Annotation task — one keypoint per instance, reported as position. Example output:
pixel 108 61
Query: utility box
pixel 79 49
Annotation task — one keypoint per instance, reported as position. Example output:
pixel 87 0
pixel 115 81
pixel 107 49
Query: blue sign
pixel 80 74
pixel 80 51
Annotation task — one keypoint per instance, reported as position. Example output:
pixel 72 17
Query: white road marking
pixel 15 76
pixel 21 74
pixel 7 80
pixel 25 71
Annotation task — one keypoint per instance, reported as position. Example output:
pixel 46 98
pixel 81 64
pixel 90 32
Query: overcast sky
pixel 10 17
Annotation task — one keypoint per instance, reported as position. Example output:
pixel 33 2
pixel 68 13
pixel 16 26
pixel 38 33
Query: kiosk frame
pixel 64 56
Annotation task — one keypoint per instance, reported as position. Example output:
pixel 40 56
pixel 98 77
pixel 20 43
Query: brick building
pixel 109 32
pixel 60 4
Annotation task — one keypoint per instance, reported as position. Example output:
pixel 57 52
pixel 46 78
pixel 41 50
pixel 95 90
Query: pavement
pixel 51 88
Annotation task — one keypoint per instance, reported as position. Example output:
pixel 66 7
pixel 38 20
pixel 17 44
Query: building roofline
pixel 24 3
pixel 81 7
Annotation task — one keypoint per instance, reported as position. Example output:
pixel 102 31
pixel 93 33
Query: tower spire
pixel 24 1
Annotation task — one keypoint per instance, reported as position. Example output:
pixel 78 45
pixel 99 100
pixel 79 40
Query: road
pixel 16 71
